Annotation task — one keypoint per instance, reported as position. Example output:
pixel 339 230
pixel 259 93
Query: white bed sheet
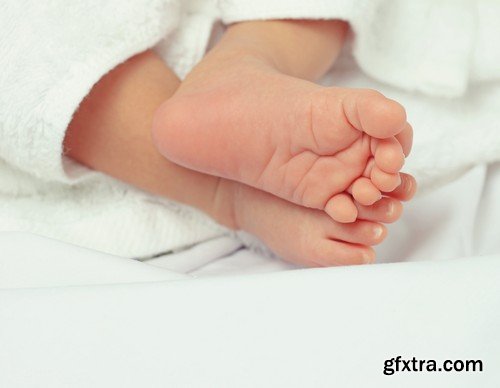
pixel 303 328
pixel 206 317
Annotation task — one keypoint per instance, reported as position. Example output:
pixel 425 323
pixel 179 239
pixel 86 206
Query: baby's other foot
pixel 237 117
pixel 306 237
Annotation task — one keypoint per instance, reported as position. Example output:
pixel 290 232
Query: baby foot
pixel 237 117
pixel 306 237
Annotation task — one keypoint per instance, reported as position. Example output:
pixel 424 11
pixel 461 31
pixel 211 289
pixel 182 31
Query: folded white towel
pixel 432 46
pixel 51 54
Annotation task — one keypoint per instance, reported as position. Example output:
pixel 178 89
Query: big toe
pixel 374 114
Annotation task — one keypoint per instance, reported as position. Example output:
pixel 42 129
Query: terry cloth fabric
pixel 52 53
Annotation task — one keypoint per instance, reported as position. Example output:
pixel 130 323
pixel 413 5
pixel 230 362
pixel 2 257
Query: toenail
pixel 377 232
pixel 408 185
pixel 377 198
pixel 390 209
pixel 368 258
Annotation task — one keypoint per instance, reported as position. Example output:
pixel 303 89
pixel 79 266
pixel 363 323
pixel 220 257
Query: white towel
pixel 51 54
pixel 433 46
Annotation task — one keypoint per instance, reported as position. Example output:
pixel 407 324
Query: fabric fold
pixel 424 46
pixel 52 55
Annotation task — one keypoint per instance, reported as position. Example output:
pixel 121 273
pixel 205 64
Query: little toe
pixel 389 155
pixel 405 138
pixel 385 182
pixel 341 208
pixel 405 190
pixel 365 192
pixel 387 210
pixel 331 252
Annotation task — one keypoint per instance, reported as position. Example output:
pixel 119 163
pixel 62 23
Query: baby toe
pixel 365 192
pixel 405 190
pixel 360 232
pixel 341 208
pixel 389 155
pixel 374 114
pixel 384 181
pixel 386 210
pixel 405 138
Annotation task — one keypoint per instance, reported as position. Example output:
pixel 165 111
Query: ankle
pixel 278 42
pixel 238 49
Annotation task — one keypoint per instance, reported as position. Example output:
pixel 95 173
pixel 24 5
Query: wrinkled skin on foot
pixel 304 236
pixel 321 148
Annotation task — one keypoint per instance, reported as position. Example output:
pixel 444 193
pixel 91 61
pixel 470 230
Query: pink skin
pixel 106 135
pixel 314 146
pixel 308 237
pixel 247 113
